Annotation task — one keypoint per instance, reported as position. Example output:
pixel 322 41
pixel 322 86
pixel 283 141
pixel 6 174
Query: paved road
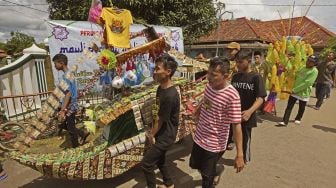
pixel 293 156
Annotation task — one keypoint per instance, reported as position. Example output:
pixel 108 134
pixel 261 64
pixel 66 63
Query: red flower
pixel 104 61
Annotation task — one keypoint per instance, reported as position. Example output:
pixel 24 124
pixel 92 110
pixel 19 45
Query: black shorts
pixel 203 160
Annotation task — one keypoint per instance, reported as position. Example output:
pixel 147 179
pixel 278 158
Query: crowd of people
pixel 234 93
pixel 225 116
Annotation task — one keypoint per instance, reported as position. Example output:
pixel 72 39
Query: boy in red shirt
pixel 220 108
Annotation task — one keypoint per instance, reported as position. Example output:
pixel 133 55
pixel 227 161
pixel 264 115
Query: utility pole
pixel 220 6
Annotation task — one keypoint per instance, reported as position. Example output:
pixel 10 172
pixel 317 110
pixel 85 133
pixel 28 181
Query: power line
pixel 35 4
pixel 25 6
pixel 35 16
pixel 279 5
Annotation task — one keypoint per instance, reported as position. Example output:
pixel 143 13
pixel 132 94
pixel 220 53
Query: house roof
pixel 2 53
pixel 243 29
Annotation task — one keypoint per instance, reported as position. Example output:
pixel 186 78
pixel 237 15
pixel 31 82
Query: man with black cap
pixel 302 88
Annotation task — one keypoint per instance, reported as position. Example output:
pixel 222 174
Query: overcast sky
pixel 31 21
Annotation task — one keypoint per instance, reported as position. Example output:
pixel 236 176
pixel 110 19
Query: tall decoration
pixel 285 58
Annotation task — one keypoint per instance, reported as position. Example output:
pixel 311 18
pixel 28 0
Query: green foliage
pixel 196 17
pixel 330 48
pixel 42 45
pixel 18 42
pixel 2 45
pixel 69 10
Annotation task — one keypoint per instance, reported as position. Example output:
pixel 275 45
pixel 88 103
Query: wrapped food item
pixel 50 111
pixel 59 94
pixel 53 102
pixel 63 85
pixel 34 133
pixel 28 140
pixel 41 126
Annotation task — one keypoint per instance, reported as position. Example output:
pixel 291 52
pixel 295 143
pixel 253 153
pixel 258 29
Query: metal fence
pixel 23 107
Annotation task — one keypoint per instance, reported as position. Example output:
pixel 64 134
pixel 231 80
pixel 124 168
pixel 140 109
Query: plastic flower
pixel 107 59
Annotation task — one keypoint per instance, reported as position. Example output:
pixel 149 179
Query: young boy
pixel 69 104
pixel 252 92
pixel 219 108
pixel 163 132
pixel 301 91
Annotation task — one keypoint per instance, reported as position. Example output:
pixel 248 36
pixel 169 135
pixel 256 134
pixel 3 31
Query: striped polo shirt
pixel 219 109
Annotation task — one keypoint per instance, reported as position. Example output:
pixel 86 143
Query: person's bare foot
pixel 60 138
pixel 216 180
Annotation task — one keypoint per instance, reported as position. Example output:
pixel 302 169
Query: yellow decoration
pixel 89 113
pixel 90 126
pixel 284 68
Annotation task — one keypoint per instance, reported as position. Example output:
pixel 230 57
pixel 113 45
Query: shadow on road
pixel 226 162
pixel 325 129
pixel 270 117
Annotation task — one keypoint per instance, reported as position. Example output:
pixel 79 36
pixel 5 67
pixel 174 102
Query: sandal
pixel 165 186
pixel 220 169
pixel 3 175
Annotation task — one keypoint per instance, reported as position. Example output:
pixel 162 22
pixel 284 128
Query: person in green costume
pixel 301 91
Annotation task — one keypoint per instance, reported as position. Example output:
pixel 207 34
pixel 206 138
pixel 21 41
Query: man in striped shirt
pixel 219 108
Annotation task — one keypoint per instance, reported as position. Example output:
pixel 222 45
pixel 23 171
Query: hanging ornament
pixel 88 54
pixel 146 72
pixel 107 59
pixel 95 47
pixel 131 76
pixel 117 82
pixel 128 65
pixel 95 11
pixel 80 60
pixel 133 64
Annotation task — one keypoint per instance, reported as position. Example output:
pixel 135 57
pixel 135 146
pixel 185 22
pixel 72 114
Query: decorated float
pixel 120 123
pixel 284 59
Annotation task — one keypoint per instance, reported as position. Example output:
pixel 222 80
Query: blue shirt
pixel 69 78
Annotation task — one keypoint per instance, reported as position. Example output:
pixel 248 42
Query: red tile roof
pixel 243 29
pixel 3 54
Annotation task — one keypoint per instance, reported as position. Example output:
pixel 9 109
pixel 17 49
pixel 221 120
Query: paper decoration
pixel 196 65
pixel 107 59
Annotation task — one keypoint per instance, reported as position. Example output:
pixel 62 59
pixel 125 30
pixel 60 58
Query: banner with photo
pixel 80 42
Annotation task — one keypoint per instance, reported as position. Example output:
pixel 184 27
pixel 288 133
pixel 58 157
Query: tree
pixel 330 48
pixel 18 42
pixel 196 17
pixel 2 45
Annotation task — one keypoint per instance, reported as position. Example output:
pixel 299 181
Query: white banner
pixel 75 39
